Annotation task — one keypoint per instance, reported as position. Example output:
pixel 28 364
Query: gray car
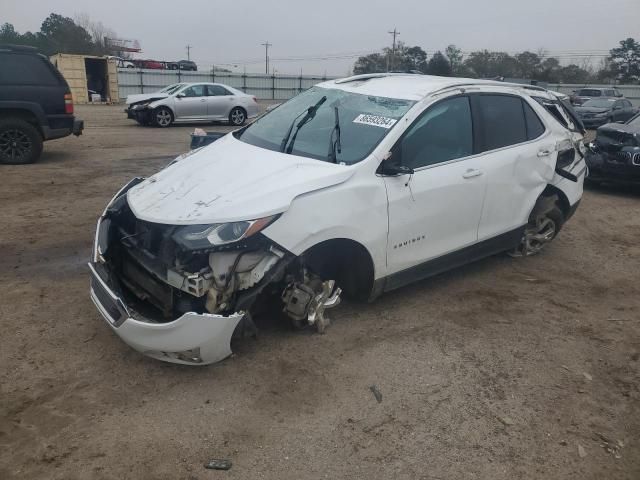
pixel 192 102
pixel 583 94
pixel 598 111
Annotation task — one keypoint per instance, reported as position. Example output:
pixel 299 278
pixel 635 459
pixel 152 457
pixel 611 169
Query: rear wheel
pixel 162 117
pixel 544 225
pixel 20 142
pixel 237 116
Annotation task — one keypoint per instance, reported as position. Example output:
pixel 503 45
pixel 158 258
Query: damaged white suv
pixel 359 185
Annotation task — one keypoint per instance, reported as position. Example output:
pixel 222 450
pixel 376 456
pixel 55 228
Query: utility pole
pixel 395 33
pixel 189 47
pixel 266 46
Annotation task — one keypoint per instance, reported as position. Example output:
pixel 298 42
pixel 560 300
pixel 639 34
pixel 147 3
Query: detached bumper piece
pixel 192 339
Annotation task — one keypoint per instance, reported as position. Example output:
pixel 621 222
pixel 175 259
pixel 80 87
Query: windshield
pixel 598 103
pixel 172 88
pixel 364 121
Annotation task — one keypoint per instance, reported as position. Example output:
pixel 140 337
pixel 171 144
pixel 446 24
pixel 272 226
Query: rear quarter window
pixel 23 69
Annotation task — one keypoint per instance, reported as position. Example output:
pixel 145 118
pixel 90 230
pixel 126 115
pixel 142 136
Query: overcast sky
pixel 231 32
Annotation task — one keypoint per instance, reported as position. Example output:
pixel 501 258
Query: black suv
pixel 35 104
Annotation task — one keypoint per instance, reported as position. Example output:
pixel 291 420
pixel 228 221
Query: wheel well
pixel 241 108
pixel 345 261
pixel 25 115
pixel 563 201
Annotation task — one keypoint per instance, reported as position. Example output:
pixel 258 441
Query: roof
pixel 409 86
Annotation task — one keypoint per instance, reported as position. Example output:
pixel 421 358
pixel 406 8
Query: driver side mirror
pixel 180 95
pixel 389 168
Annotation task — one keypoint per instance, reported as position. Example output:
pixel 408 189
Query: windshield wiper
pixel 335 147
pixel 309 113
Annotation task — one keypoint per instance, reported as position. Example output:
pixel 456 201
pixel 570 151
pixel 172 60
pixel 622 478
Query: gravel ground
pixel 499 370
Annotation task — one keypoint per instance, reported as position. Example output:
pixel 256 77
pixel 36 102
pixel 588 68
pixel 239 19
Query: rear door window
pixel 217 91
pixel 22 69
pixel 502 121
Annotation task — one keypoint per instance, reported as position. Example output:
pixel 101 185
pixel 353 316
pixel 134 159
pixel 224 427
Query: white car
pixel 192 102
pixel 360 185
pixel 121 62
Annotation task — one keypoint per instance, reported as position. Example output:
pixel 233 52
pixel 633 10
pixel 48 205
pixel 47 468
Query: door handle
pixel 203 99
pixel 472 172
pixel 544 153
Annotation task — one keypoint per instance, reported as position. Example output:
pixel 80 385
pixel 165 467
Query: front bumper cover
pixel 192 339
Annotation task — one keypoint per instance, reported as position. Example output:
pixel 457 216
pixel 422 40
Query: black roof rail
pixel 17 48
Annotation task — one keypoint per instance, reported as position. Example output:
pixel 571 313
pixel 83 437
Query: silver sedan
pixel 192 102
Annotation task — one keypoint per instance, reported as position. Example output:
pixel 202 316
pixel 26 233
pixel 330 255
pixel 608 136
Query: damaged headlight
pixel 194 237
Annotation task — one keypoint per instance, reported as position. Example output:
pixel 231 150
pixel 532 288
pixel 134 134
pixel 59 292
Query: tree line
pixel 59 34
pixel 622 65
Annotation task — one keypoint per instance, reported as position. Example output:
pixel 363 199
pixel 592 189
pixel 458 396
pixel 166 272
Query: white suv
pixel 359 185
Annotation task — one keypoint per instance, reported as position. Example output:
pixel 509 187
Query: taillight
pixel 68 103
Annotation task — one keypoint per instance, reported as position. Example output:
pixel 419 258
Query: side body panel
pixel 354 210
pixel 435 212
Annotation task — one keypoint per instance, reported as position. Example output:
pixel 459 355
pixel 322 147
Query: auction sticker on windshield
pixel 375 120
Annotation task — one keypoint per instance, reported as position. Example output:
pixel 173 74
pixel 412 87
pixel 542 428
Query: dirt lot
pixel 503 369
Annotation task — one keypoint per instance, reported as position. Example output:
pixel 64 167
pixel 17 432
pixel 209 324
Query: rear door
pixel 219 102
pixel 518 156
pixel 191 103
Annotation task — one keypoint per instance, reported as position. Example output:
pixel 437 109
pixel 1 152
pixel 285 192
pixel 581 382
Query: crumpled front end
pixel 170 301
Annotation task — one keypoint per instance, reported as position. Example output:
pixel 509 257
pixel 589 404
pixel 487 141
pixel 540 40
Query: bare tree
pixel 97 30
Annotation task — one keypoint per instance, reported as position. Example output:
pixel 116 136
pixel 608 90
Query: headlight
pixel 195 237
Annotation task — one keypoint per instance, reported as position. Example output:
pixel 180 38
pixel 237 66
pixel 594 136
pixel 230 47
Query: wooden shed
pixel 89 76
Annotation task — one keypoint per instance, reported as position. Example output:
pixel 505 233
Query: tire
pixel 237 116
pixel 545 222
pixel 20 142
pixel 162 117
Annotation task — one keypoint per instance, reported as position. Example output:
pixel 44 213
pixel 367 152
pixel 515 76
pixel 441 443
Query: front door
pixel 436 210
pixel 191 103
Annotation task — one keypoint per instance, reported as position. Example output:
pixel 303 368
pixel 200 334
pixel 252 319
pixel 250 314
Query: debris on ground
pixel 506 421
pixel 199 132
pixel 376 393
pixel 581 451
pixel 218 464
pixel 564 443
pixel 587 376
pixel 610 446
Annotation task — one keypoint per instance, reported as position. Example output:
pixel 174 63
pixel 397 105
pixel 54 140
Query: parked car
pixel 193 102
pixel 583 94
pixel 121 62
pixel 35 104
pixel 150 64
pixel 598 111
pixel 360 185
pixel 614 155
pixel 182 65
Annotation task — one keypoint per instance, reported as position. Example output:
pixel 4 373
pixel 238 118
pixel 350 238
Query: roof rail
pixel 369 76
pixel 17 48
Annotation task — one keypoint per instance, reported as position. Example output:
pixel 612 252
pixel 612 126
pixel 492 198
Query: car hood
pixel 140 97
pixel 591 110
pixel 230 181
